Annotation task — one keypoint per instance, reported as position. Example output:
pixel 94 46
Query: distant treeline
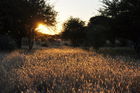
pixel 119 20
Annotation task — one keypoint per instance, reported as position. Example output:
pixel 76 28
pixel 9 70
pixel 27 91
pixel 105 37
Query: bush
pixel 7 43
pixel 96 36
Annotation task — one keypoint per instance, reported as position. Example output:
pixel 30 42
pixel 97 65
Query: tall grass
pixel 67 70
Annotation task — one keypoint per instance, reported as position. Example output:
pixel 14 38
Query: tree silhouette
pixel 126 19
pixel 74 31
pixel 98 31
pixel 18 18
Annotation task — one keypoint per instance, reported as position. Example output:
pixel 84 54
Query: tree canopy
pixel 73 30
pixel 125 18
pixel 18 17
pixel 125 15
pixel 98 31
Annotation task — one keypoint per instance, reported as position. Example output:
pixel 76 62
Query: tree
pixel 19 17
pixel 73 30
pixel 126 19
pixel 98 31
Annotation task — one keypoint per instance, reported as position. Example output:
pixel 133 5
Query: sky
pixel 83 9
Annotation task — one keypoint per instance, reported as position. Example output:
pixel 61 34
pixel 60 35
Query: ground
pixel 67 70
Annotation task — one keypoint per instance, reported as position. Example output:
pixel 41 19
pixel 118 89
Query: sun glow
pixel 42 28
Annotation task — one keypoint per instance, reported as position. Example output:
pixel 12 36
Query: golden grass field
pixel 67 70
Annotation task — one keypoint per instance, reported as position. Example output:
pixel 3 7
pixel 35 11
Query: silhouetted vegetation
pixel 74 30
pixel 119 21
pixel 125 19
pixel 18 18
pixel 95 34
pixel 64 69
pixel 98 31
pixel 7 43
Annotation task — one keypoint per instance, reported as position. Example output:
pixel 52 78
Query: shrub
pixel 7 43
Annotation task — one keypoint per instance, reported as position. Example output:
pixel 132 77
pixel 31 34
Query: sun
pixel 42 28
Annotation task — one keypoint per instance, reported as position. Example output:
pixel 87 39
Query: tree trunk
pixel 137 47
pixel 31 39
pixel 31 42
pixel 19 42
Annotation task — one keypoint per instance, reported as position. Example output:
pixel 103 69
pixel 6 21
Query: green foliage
pixel 74 31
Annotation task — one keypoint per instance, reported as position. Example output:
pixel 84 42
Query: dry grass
pixel 67 70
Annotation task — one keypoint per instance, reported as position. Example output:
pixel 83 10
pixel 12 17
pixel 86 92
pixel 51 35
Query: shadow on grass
pixel 118 52
pixel 121 52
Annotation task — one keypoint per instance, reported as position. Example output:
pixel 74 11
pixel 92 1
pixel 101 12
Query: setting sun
pixel 42 28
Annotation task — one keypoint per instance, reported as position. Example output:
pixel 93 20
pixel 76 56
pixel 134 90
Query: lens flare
pixel 42 28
